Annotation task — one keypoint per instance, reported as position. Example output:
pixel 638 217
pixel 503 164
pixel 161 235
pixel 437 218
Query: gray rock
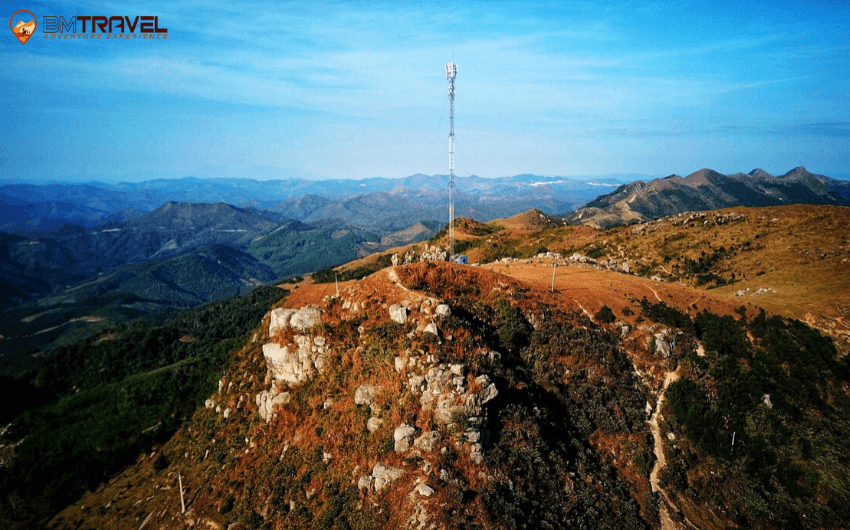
pixel 472 404
pixel 625 267
pixel 268 400
pixel 384 476
pixel 427 441
pixel 457 369
pixel 280 319
pixel 281 399
pixel 365 483
pixel 398 313
pixel 664 344
pixel 291 367
pixel 400 363
pixel 432 328
pixel 306 317
pixel 476 453
pixel 443 310
pixel 403 435
pixel 373 424
pixel 443 416
pixel 365 394
pixel 488 390
pixel 417 383
pixel 766 400
pixel 425 490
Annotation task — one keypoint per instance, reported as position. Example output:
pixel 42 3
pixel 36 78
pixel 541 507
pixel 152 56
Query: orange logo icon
pixel 22 25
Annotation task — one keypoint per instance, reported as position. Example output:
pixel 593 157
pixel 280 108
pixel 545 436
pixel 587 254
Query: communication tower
pixel 451 72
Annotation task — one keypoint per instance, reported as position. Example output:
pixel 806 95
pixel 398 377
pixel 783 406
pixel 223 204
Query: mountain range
pixel 45 206
pixel 136 248
pixel 707 190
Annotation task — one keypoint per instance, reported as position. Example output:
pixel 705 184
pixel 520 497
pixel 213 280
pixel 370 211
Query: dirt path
pixel 660 461
pixel 653 292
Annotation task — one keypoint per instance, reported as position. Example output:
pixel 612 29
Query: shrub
pixel 605 315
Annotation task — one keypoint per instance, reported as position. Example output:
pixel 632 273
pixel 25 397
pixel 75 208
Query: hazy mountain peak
pixel 760 173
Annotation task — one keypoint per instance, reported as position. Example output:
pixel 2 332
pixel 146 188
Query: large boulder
pixel 306 317
pixel 280 319
pixel 403 436
pixel 398 313
pixel 665 343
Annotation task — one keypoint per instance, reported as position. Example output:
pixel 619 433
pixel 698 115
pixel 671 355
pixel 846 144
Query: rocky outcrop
pixel 306 318
pixel 665 343
pixel 280 319
pixel 300 319
pixel 381 477
pixel 295 363
pixel 295 366
pixel 267 400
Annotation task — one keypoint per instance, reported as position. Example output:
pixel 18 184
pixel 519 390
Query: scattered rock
pixel 476 454
pixel 766 400
pixel 425 490
pixel 268 400
pixel 427 441
pixel 365 483
pixel 443 310
pixel 432 328
pixel 403 436
pixel 373 424
pixel 384 476
pixel 365 394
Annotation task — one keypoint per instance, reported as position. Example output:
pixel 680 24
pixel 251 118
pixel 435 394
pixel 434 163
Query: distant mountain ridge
pixel 382 204
pixel 707 189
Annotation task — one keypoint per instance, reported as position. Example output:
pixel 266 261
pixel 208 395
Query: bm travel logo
pixel 24 23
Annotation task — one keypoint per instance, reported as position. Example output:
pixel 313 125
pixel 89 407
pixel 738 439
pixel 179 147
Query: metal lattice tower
pixel 451 72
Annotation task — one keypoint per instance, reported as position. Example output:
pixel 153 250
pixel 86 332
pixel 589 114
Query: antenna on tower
pixel 451 72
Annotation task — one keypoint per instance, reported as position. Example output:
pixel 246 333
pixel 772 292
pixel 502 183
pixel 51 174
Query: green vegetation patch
pixel 781 397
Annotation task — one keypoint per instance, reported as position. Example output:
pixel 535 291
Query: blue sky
pixel 357 89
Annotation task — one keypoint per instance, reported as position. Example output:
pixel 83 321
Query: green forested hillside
pixel 121 391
